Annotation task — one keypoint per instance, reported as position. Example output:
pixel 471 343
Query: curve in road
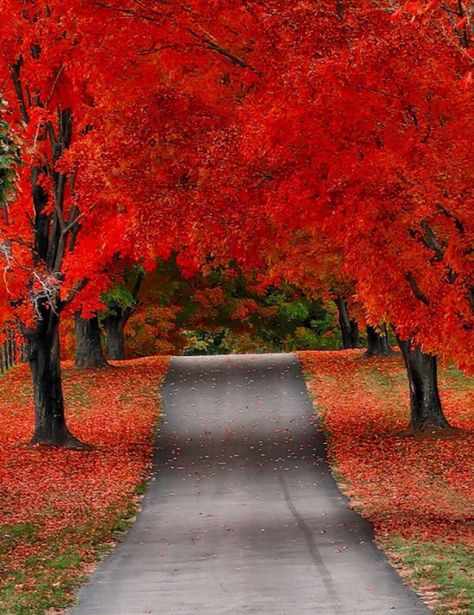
pixel 242 514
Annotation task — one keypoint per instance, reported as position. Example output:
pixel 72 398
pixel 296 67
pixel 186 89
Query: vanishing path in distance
pixel 242 514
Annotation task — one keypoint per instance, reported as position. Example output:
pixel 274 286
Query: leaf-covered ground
pixel 61 509
pixel 417 491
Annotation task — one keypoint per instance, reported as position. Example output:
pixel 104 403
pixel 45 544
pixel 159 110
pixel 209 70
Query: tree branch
pixel 15 74
pixel 208 42
pixel 429 239
pixel 457 222
pixel 55 82
pixel 416 289
pixel 75 291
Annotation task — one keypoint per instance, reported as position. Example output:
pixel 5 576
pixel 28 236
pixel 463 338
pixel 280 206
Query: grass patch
pixel 77 394
pixel 443 573
pixel 12 535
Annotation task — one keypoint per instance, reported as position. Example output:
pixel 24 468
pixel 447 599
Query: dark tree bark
pixel 354 334
pixel 6 358
pixel 114 324
pixel 54 232
pixel 425 405
pixel 43 358
pixel 89 353
pixel 116 319
pixel 378 344
pixel 12 349
pixel 349 327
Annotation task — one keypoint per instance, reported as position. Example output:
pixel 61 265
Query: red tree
pixel 113 124
pixel 373 151
pixel 70 89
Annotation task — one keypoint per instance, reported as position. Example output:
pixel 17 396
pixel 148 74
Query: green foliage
pixel 297 323
pixel 284 321
pixel 295 311
pixel 8 159
pixel 121 295
pixel 205 343
pixel 222 312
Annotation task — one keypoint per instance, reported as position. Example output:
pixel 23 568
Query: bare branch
pixel 55 82
pixel 206 39
pixel 211 44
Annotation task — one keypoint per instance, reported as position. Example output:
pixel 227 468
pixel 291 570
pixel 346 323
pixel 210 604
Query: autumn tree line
pixel 325 145
pixel 223 312
pixel 161 312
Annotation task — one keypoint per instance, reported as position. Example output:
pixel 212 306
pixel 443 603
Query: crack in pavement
pixel 313 549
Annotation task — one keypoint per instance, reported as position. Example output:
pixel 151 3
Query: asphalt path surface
pixel 242 514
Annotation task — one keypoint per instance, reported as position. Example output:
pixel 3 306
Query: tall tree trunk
pixel 43 358
pixel 354 334
pixel 349 327
pixel 425 405
pixel 114 329
pixel 89 352
pixel 11 349
pixel 116 319
pixel 378 344
pixel 6 356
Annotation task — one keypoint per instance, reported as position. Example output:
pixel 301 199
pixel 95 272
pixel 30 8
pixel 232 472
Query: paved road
pixel 242 515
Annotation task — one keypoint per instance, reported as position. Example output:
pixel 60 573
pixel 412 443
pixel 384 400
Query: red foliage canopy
pixel 373 152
